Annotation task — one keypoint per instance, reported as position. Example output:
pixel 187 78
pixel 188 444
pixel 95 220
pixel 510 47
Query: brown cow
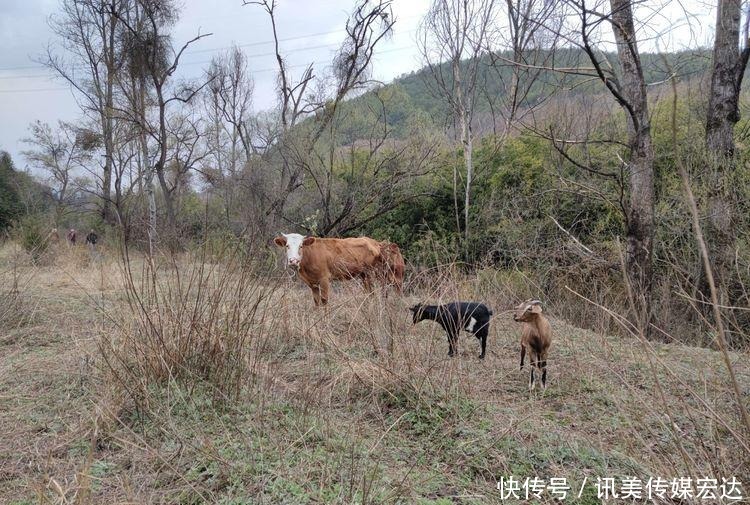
pixel 321 260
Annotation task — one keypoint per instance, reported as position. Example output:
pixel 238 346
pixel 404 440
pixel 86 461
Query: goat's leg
pixel 533 363
pixel 523 355
pixel 482 335
pixel 452 343
pixel 543 365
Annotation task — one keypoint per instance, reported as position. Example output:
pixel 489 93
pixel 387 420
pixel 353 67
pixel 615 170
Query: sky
pixel 310 30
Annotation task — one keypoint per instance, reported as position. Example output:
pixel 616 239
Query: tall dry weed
pixel 188 321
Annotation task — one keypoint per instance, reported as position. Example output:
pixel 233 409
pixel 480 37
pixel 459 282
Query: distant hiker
pixel 91 238
pixel 72 233
pixel 53 237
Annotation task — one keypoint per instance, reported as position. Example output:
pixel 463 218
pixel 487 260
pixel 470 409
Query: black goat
pixel 457 316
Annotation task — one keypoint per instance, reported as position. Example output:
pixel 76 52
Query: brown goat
pixel 536 337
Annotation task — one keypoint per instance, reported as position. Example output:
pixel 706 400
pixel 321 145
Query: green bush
pixel 31 234
pixel 10 199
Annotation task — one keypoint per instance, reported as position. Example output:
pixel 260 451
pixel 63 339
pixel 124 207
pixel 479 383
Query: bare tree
pixel 370 22
pixel 524 51
pixel 227 101
pixel 630 93
pixel 730 56
pixel 453 36
pixel 186 133
pixel 154 62
pixel 133 84
pixel 87 30
pixel 625 82
pixel 127 175
pixel 122 173
pixel 230 94
pixel 372 174
pixel 59 153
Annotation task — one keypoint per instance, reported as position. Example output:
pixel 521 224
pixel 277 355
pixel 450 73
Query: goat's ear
pixel 280 241
pixel 308 240
pixel 414 309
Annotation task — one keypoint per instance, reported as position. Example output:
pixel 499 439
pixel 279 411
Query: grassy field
pixel 189 385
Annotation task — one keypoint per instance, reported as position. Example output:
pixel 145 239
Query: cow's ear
pixel 308 240
pixel 280 241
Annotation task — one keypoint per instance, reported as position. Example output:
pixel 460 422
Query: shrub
pixel 189 322
pixel 31 234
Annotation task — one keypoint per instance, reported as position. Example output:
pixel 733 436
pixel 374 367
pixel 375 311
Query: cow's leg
pixel 391 281
pixel 367 283
pixel 315 288
pixel 325 286
pixel 385 281
pixel 397 281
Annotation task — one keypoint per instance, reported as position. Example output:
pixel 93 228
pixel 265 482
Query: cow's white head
pixel 293 243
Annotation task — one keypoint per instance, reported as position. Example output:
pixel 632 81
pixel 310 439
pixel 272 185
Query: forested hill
pixel 415 97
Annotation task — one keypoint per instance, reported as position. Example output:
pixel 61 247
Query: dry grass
pixel 350 404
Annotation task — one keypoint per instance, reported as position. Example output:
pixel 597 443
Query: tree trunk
pixel 726 78
pixel 640 213
pixel 161 165
pixel 106 212
pixel 468 162
pixel 640 224
pixel 723 113
pixel 462 111
pixel 146 165
pixel 107 119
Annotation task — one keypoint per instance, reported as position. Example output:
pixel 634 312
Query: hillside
pixel 415 95
pixel 327 413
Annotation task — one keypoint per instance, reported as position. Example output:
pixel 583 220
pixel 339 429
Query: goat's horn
pixel 535 302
